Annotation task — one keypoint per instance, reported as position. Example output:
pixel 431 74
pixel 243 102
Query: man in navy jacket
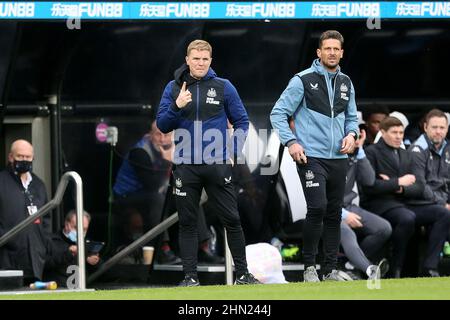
pixel 197 105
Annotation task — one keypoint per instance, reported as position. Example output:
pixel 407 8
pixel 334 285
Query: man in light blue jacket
pixel 321 101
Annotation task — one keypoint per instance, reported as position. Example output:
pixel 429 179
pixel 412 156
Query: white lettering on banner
pixel 346 9
pixel 64 10
pixel 238 10
pixel 179 10
pixel 17 9
pixel 92 10
pixel 408 9
pixel 188 10
pixel 263 10
pixel 421 9
pixel 324 10
pixel 359 9
pixel 150 10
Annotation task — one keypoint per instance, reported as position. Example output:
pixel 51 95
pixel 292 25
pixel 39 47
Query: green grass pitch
pixel 398 289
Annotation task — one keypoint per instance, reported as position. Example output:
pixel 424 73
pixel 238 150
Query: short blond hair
pixel 199 45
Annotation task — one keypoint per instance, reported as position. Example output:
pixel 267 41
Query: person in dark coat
pixel 63 250
pixel 22 193
pixel 394 188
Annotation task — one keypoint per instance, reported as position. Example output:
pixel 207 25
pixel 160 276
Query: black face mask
pixel 22 166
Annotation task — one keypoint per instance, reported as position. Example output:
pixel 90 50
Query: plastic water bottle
pixel 39 285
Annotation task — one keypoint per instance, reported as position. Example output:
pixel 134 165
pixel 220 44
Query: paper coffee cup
pixel 147 253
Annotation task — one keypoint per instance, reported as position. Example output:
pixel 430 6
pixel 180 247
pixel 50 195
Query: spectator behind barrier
pixel 431 166
pixel 63 250
pixel 22 194
pixel 372 116
pixel 363 233
pixel 395 186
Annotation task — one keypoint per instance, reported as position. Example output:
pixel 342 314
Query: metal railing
pixel 51 205
pixel 145 238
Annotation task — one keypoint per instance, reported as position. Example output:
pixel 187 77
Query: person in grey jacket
pixel 431 166
pixel 363 233
pixel 431 160
pixel 321 101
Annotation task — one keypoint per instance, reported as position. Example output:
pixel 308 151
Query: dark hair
pixel 372 109
pixel 331 34
pixel 390 122
pixel 435 113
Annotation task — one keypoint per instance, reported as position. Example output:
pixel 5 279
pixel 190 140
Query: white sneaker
pixel 310 275
pixel 337 275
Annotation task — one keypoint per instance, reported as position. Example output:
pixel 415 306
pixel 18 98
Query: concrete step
pixel 11 279
pixel 171 275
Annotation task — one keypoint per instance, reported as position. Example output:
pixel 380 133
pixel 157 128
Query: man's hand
pixel 353 220
pixel 406 180
pixel 167 153
pixel 348 144
pixel 184 97
pixel 297 153
pixel 93 259
pixel 362 138
pixel 383 176
pixel 73 250
pixel 447 205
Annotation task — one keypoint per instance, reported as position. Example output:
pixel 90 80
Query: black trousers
pixel 404 220
pixel 323 182
pixel 217 181
pixel 153 208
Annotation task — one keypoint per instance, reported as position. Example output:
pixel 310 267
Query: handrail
pixel 151 234
pixel 145 238
pixel 57 199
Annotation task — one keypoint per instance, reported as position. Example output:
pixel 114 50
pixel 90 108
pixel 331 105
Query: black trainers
pixel 247 278
pixel 430 273
pixel 189 281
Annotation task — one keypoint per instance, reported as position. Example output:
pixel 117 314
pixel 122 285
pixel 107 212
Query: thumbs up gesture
pixel 184 97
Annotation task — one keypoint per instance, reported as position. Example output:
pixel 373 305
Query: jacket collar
pixel 30 177
pixel 383 143
pixel 432 147
pixel 318 67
